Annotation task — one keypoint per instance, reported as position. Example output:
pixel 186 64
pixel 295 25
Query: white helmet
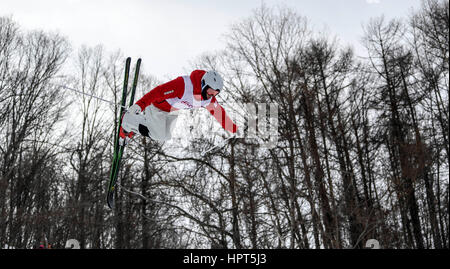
pixel 213 80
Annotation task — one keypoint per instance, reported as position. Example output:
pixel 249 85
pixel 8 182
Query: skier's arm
pixel 219 114
pixel 171 89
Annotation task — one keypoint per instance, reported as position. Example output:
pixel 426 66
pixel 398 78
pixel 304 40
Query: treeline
pixel 362 150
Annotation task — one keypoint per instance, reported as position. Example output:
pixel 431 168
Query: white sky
pixel 168 34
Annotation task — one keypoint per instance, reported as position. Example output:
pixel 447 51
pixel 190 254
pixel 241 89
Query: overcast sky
pixel 167 34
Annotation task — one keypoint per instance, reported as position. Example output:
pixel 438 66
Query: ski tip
pixel 110 200
pixel 111 204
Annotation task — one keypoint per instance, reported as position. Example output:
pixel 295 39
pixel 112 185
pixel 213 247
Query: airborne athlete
pixel 154 114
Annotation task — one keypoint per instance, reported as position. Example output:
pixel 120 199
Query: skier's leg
pixel 152 123
pixel 157 122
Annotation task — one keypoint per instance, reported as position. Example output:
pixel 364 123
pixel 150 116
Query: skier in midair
pixel 152 115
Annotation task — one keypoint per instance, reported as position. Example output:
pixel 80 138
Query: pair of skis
pixel 119 147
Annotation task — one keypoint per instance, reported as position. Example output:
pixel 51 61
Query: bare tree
pixel 32 107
